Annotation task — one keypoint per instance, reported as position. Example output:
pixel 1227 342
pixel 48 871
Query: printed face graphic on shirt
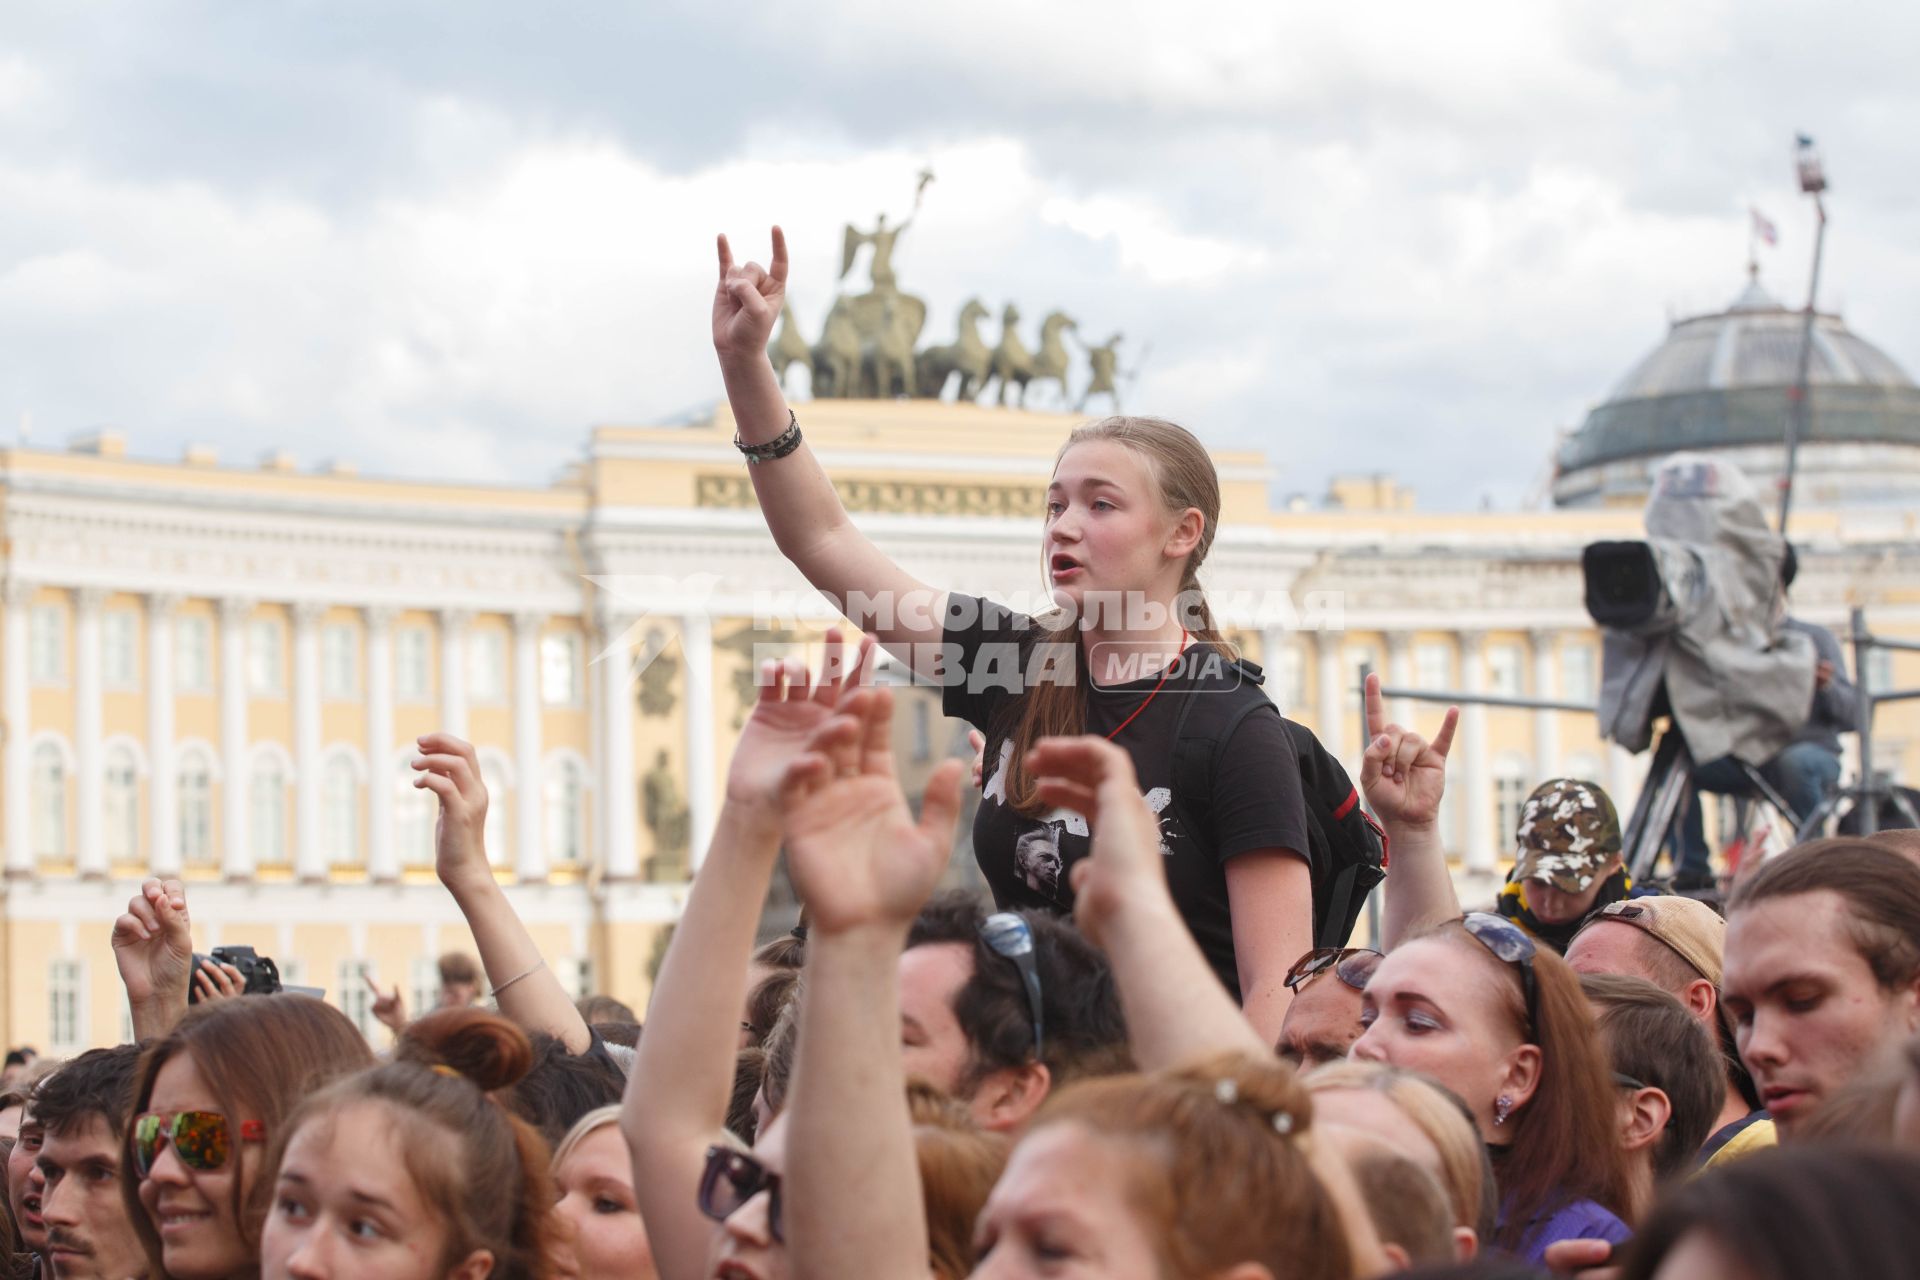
pixel 1038 856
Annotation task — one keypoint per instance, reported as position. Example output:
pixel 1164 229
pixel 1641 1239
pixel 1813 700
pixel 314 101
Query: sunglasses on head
pixel 1010 937
pixel 202 1139
pixel 732 1178
pixel 1352 965
pixel 1509 943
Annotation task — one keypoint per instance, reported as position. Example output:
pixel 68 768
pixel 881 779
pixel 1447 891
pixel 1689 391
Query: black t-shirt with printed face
pixel 1254 799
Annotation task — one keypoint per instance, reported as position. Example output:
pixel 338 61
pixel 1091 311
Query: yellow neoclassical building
pixel 219 672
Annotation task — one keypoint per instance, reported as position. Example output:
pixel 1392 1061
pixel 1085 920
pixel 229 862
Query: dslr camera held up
pixel 261 975
pixel 1690 620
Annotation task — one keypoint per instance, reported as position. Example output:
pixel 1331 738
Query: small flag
pixel 1763 229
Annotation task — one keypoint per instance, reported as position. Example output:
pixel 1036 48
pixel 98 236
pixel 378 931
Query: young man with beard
pixel 83 1110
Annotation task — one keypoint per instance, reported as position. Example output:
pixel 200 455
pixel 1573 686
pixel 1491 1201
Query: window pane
pixel 562 803
pixel 192 655
pixel 486 661
pixel 47 644
pixel 355 1000
pixel 49 803
pixel 122 803
pixel 268 831
pixel 559 670
pixel 264 657
pixel 340 814
pixel 196 811
pixel 1576 670
pixel 118 661
pixel 340 663
pixel 413 816
pixel 1432 667
pixel 410 671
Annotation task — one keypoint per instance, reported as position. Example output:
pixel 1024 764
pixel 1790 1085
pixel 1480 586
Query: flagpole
pixel 1813 181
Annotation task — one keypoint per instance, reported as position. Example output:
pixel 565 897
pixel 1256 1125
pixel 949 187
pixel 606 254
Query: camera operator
pixel 1802 771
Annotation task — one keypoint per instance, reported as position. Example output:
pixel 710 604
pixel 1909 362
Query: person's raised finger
pixel 838 740
pixel 371 984
pixel 726 257
pixel 766 684
pixel 1408 751
pixel 744 295
pixel 779 264
pixel 141 910
pixel 940 804
pixel 1443 740
pixel 876 737
pixel 131 928
pixel 799 679
pixel 1376 705
pixel 802 777
pixel 459 768
pixel 438 783
pixel 235 980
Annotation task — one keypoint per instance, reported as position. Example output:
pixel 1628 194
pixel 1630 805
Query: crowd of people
pixel 1144 1058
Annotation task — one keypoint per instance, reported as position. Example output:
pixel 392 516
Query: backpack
pixel 1346 849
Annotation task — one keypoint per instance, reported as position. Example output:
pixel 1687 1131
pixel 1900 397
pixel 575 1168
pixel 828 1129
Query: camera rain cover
pixel 1737 683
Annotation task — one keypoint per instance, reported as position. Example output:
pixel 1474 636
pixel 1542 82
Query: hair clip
pixel 1226 1091
pixel 1283 1123
pixel 441 1068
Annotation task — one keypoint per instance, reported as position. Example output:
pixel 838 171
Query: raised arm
pixel 1176 1008
pixel 863 865
pixel 676 1101
pixel 526 990
pixel 153 950
pixel 1404 777
pixel 804 514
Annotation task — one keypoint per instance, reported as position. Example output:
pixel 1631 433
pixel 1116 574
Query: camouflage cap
pixel 1568 833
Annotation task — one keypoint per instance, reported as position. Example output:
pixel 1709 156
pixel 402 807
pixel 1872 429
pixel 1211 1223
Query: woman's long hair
pixel 1184 476
pixel 1565 1145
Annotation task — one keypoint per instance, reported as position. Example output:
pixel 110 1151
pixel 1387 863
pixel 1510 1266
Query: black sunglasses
pixel 1509 942
pixel 1011 937
pixel 732 1178
pixel 1352 965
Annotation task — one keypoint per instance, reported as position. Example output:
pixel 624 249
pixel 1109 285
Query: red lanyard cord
pixel 1156 688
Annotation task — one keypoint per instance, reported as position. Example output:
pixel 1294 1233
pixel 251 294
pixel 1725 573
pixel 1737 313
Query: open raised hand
pixel 1402 773
pixel 791 706
pixel 747 301
pixel 448 767
pixel 1095 778
pixel 153 946
pixel 857 854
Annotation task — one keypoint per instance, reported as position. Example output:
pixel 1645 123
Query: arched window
pixel 413 817
pixel 340 813
pixel 195 785
pixel 120 798
pixel 49 803
pixel 267 813
pixel 562 800
pixel 1510 789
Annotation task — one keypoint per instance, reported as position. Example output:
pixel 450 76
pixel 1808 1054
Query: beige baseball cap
pixel 1693 929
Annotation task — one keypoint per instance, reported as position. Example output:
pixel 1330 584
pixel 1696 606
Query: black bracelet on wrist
pixel 778 447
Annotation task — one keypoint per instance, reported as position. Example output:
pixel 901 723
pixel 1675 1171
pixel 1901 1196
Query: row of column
pixel 1336 724
pixel 618 827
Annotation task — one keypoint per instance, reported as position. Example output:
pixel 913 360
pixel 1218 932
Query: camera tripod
pixel 1669 787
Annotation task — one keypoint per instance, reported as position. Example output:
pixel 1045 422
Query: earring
pixel 1502 1108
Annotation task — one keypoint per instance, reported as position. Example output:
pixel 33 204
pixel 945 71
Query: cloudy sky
pixel 445 239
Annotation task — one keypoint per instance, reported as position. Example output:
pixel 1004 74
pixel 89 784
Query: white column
pixel 696 646
pixel 1399 673
pixel 619 837
pixel 92 857
pixel 237 854
pixel 1273 649
pixel 1479 852
pixel 382 863
pixel 453 671
pixel 1330 724
pixel 530 854
pixel 1546 724
pixel 163 797
pixel 19 729
pixel 309 857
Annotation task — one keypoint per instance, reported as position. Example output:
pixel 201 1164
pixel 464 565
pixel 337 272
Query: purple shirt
pixel 1581 1220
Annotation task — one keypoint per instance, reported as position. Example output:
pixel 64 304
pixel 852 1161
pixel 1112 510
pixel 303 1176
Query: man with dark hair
pixel 967 1020
pixel 1823 970
pixel 26 1187
pixel 1668 1080
pixel 83 1110
pixel 1678 944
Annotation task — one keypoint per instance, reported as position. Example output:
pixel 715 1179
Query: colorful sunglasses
pixel 202 1139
